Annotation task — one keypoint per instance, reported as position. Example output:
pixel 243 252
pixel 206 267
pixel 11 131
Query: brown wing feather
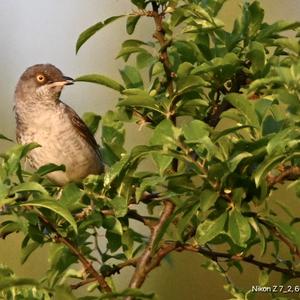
pixel 83 130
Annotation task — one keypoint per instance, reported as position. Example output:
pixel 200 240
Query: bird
pixel 63 137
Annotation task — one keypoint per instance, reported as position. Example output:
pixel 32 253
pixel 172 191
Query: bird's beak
pixel 61 83
pixel 68 80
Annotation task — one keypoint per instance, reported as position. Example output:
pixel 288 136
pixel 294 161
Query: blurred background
pixel 35 31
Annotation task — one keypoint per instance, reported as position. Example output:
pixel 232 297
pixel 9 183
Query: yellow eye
pixel 40 78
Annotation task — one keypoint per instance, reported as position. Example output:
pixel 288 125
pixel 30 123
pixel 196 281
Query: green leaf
pixel 257 56
pixel 115 170
pixel 144 59
pixel 144 100
pixel 267 165
pixel 244 106
pixel 222 67
pixel 276 27
pixel 27 251
pixel 5 271
pixel 127 51
pixel 184 69
pixel 113 137
pixel 46 169
pixel 156 69
pixel 101 79
pixel 6 283
pixel 54 206
pixel 190 83
pixel 227 131
pixel 16 154
pixel 112 224
pixel 71 196
pixel 132 77
pixel 85 35
pixel 119 204
pixel 147 183
pixel 289 43
pixel 256 17
pixel 9 227
pixel 209 229
pixel 163 161
pixel 4 189
pixel 187 51
pixel 131 23
pixel 263 277
pixel 278 144
pixel 93 220
pixel 239 228
pixel 127 242
pixel 141 4
pixel 164 133
pixel 189 212
pixel 208 199
pixel 29 187
pixel 289 231
pixel 195 131
pixel 92 121
pixel 216 5
pixel 233 162
pixel 134 43
pixel 263 82
pixel 139 98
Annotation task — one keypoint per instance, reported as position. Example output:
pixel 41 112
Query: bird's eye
pixel 40 78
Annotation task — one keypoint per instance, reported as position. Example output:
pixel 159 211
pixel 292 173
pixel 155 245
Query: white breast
pixel 60 144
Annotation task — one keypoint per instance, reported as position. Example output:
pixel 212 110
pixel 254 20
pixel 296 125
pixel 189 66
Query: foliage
pixel 223 110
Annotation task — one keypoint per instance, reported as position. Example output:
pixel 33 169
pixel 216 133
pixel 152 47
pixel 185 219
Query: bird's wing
pixel 83 130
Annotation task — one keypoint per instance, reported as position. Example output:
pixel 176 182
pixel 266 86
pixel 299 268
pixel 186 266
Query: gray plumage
pixel 42 118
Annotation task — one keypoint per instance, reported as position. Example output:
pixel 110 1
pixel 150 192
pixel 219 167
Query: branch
pixel 76 286
pixel 148 259
pixel 142 13
pixel 293 248
pixel 214 255
pixel 133 214
pixel 164 44
pixel 146 220
pixel 115 269
pixel 288 173
pixel 146 262
pixel 87 264
pixel 214 116
pixel 104 287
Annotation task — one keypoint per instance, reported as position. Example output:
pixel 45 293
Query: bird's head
pixel 43 81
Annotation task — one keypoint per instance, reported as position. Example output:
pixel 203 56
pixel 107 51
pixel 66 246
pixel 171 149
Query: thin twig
pixel 293 248
pixel 76 286
pixel 115 269
pixel 288 173
pixel 214 255
pixel 133 214
pixel 87 264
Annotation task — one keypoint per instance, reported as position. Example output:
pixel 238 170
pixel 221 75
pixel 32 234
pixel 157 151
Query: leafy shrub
pixel 223 110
